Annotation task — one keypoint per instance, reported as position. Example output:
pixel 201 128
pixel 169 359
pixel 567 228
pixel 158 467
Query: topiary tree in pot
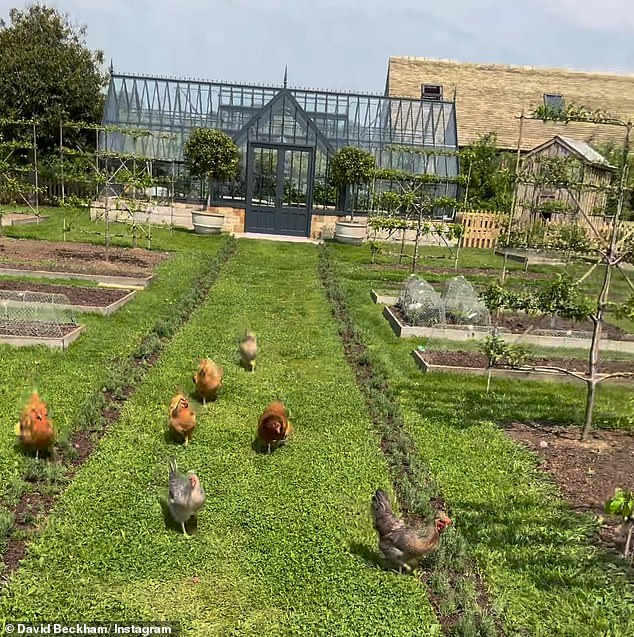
pixel 213 155
pixel 351 167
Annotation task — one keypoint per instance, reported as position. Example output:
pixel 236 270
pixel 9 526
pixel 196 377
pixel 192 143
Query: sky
pixel 345 44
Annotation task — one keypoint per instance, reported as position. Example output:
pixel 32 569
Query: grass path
pixel 544 578
pixel 275 549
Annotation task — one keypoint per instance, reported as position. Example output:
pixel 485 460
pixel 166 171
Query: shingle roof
pixel 490 97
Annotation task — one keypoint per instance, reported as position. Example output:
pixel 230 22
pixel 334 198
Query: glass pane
pixel 264 176
pixel 296 166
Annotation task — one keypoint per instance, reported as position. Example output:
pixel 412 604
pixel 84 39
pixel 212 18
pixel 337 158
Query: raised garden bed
pixel 514 328
pixel 585 472
pixel 465 362
pixel 25 333
pixel 81 299
pixel 117 266
pixel 528 257
pixel 19 219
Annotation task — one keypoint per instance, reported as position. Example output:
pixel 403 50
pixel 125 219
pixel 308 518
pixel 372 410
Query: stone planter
pixel 351 232
pixel 207 222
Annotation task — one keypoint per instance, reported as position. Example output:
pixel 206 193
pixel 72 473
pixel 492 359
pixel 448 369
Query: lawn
pixel 544 577
pixel 283 543
pixel 273 549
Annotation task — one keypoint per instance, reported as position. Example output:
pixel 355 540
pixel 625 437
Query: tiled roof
pixel 491 97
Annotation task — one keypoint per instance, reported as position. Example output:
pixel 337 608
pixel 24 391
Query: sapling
pixel 622 504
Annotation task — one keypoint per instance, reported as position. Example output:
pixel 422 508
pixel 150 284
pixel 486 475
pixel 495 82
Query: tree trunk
pixel 610 261
pixel 628 542
pixel 208 193
pixel 415 257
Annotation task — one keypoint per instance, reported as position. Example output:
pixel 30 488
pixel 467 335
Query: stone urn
pixel 351 232
pixel 207 222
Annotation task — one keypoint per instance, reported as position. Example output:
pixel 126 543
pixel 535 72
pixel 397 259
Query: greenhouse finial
pixel 285 76
pixel 111 66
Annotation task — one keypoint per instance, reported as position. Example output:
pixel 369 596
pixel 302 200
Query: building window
pixel 554 101
pixel 431 92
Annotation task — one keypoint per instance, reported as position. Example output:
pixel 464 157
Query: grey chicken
pixel 248 350
pixel 400 546
pixel 186 495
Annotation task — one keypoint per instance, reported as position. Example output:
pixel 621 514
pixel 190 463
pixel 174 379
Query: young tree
pixel 489 183
pixel 351 166
pixel 48 73
pixel 211 154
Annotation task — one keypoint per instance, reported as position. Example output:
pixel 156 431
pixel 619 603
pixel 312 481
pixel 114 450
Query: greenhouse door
pixel 279 189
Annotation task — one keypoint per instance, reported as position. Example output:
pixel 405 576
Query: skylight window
pixel 431 92
pixel 554 101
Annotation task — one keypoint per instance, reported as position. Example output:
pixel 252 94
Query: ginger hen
pixel 248 350
pixel 186 495
pixel 182 419
pixel 35 428
pixel 273 426
pixel 208 380
pixel 400 546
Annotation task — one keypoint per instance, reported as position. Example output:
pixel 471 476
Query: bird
pixel 248 350
pixel 399 545
pixel 273 425
pixel 35 429
pixel 186 495
pixel 208 380
pixel 182 420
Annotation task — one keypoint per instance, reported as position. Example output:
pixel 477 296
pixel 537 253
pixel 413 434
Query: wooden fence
pixel 481 229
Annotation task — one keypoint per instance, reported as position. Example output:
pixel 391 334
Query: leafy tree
pixel 351 166
pixel 489 182
pixel 212 154
pixel 614 155
pixel 47 72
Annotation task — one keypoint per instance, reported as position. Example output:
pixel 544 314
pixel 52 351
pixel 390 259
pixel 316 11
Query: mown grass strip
pixel 544 577
pixel 280 544
pixel 99 411
pixel 458 594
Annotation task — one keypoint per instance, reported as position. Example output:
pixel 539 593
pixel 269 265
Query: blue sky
pixel 345 44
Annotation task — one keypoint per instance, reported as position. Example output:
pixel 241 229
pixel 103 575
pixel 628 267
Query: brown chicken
pixel 208 380
pixel 181 418
pixel 35 429
pixel 273 427
pixel 400 546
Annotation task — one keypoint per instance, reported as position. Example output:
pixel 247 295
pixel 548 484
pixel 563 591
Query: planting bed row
pixel 80 298
pixel 83 258
pixel 620 340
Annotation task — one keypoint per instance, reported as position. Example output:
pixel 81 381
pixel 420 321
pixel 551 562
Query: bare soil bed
pixel 586 472
pixel 76 295
pixel 35 329
pixel 84 258
pixel 544 325
pixel 461 358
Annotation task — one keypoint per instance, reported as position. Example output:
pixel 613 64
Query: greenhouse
pixel 286 137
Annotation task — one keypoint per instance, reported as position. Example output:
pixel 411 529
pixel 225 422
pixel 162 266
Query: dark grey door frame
pixel 280 173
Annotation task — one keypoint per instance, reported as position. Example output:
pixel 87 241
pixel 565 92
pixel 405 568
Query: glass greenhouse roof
pixel 170 108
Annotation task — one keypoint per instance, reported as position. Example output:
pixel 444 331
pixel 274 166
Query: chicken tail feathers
pixel 382 511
